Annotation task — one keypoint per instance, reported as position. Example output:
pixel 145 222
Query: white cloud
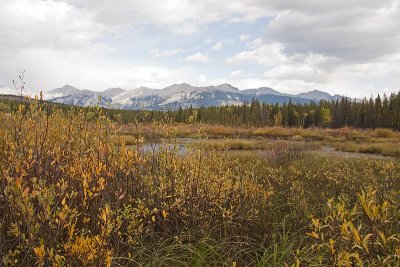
pixel 235 74
pixel 201 79
pixel 307 71
pixel 197 58
pixel 179 16
pixel 245 37
pixel 156 52
pixel 265 54
pixel 46 24
pixel 84 69
pixel 251 83
pixel 7 91
pixel 217 46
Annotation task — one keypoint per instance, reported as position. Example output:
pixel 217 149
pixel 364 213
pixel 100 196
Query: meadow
pixel 77 190
pixel 373 141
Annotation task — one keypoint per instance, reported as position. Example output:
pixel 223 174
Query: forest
pixel 381 112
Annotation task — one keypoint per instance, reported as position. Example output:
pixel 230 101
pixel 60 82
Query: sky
pixel 347 47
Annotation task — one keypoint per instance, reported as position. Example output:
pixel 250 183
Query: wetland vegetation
pixel 76 190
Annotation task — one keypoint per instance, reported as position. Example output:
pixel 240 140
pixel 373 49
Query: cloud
pixel 363 33
pixel 217 46
pixel 7 91
pixel 156 52
pixel 202 79
pixel 235 74
pixel 46 24
pixel 264 54
pixel 245 37
pixel 307 71
pixel 178 16
pixel 344 45
pixel 251 83
pixel 197 58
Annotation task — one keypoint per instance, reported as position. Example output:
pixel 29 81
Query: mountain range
pixel 178 95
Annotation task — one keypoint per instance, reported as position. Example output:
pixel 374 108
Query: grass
pixel 378 141
pixel 254 144
pixel 72 193
pixel 219 131
pixel 382 148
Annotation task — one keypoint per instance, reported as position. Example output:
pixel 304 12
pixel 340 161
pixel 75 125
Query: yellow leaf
pixel 313 234
pixel 108 258
pixel 398 251
pixel 164 214
pixel 39 252
pixel 104 213
pixel 365 242
pixel 356 235
pixel 153 218
pixel 25 192
pixel 18 182
pixel 383 237
pixel 315 222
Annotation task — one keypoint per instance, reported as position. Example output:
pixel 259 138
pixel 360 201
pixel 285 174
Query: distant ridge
pixel 177 96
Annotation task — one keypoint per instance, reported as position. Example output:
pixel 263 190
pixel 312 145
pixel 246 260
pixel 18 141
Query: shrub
pixel 384 133
pixel 72 193
pixel 297 138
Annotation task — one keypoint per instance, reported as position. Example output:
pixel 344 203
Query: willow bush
pixel 71 193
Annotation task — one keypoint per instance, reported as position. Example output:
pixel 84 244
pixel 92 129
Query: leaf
pixel 104 213
pixel 25 192
pixel 332 246
pixel 313 234
pixel 315 222
pixel 356 235
pixel 39 252
pixel 365 241
pixel 18 182
pixel 382 236
pixel 165 214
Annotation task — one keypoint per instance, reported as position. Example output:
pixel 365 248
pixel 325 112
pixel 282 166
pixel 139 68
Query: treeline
pixel 379 112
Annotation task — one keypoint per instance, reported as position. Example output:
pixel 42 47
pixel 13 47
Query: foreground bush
pixel 73 194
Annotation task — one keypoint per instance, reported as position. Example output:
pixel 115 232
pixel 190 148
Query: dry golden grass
pixel 219 131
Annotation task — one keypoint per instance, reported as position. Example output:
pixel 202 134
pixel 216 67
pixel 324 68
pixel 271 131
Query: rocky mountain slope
pixel 176 96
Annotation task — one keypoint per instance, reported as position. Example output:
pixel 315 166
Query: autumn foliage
pixel 72 193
